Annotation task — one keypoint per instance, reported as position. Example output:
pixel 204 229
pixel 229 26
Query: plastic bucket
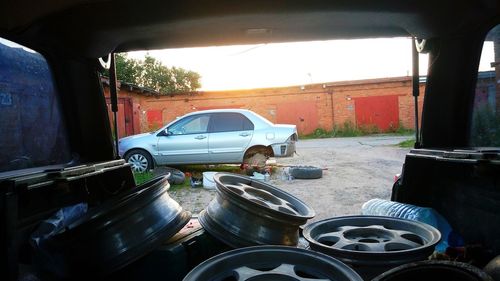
pixel 208 180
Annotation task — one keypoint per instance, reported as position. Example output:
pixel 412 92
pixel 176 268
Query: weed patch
pixel 407 144
pixel 141 178
pixel 349 129
pixel 185 184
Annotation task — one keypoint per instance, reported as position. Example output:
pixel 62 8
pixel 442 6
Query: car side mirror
pixel 164 133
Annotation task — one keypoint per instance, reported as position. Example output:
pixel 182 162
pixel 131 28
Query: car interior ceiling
pixel 73 34
pixel 105 26
pixel 80 31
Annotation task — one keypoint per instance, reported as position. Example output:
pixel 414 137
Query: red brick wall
pixel 314 106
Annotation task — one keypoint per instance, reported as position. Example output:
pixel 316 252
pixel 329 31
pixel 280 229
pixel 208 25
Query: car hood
pixel 143 135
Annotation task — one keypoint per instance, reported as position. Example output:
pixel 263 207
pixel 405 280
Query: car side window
pixel 230 122
pixel 197 124
pixel 247 124
pixel 32 123
pixel 485 130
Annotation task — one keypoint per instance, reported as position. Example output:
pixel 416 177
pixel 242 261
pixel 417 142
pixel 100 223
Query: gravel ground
pixel 356 170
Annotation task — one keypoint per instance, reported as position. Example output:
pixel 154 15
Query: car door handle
pixel 244 134
pixel 200 137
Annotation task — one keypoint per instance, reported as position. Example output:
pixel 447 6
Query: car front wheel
pixel 139 160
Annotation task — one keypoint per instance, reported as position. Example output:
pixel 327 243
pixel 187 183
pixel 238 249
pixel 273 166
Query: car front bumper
pixel 285 149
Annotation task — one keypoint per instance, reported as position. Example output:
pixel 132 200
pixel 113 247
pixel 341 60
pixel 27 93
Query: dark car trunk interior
pixel 463 186
pixel 463 189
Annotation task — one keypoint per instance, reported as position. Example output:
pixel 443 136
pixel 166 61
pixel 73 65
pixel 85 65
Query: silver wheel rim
pixel 246 212
pixel 372 244
pixel 272 263
pixel 114 243
pixel 138 162
pixel 371 236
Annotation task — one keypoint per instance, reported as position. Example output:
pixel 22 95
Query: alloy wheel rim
pixel 246 212
pixel 102 241
pixel 264 198
pixel 272 263
pixel 371 240
pixel 434 270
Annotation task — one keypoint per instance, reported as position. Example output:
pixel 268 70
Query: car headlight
pixel 292 138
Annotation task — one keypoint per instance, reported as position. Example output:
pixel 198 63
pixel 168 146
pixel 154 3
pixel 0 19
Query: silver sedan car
pixel 210 137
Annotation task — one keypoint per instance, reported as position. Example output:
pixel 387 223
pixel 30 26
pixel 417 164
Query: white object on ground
pixel 208 180
pixel 258 176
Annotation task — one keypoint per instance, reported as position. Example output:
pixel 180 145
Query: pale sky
pixel 284 64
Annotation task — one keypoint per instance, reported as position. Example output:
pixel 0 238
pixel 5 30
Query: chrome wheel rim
pixel 138 162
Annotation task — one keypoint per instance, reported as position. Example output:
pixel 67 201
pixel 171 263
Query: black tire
pixel 176 175
pixel 140 160
pixel 306 172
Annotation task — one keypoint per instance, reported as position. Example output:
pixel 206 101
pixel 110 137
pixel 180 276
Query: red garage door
pixel 155 119
pixel 302 114
pixel 125 117
pixel 380 111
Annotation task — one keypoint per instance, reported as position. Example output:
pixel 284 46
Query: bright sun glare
pixel 285 64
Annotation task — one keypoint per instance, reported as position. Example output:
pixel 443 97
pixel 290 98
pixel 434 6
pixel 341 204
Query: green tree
pixel 151 73
pixel 127 69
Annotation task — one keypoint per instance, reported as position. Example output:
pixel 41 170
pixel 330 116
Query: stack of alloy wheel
pixel 247 212
pixel 261 223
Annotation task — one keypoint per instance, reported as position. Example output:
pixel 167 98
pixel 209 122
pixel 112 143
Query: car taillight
pixel 397 177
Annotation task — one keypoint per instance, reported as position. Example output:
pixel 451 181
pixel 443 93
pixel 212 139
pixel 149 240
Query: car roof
pixel 231 110
pixel 93 28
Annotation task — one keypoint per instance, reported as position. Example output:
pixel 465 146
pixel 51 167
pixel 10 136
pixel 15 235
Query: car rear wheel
pixel 139 160
pixel 257 156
